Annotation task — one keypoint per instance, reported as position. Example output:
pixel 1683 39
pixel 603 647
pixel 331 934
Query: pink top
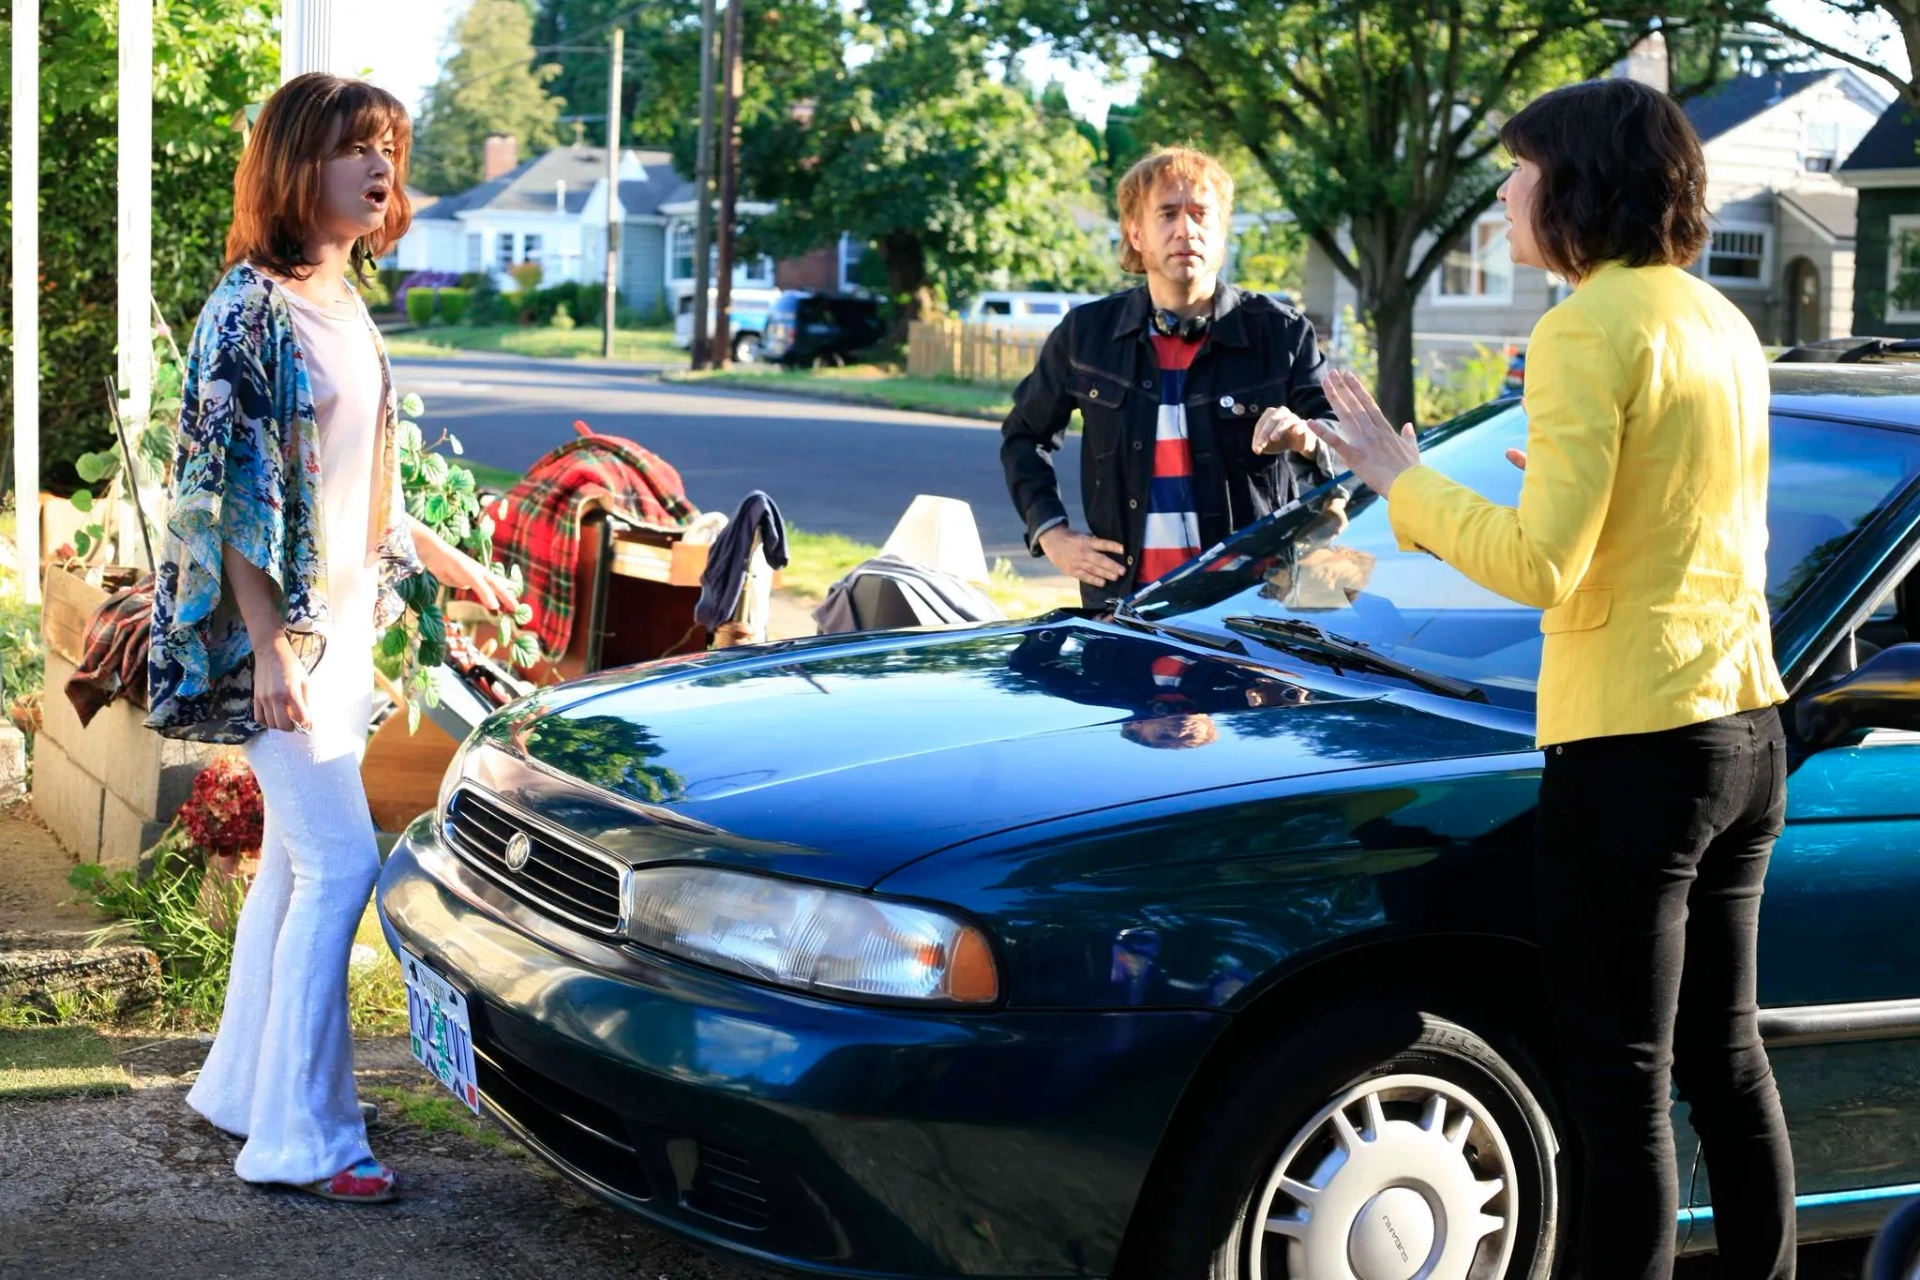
pixel 343 368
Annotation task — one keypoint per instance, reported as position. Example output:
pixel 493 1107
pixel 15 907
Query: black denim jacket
pixel 1100 360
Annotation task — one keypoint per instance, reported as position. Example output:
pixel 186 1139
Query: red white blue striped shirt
pixel 1173 521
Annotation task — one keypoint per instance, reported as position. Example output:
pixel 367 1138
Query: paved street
pixel 832 468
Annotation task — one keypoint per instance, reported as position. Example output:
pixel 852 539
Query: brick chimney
pixel 1647 63
pixel 500 155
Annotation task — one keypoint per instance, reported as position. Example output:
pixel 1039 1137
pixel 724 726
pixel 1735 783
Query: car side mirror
pixel 1881 693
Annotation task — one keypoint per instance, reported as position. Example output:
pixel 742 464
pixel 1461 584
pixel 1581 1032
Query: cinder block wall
pixel 106 791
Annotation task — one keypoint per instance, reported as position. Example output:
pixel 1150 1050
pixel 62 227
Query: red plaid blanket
pixel 537 523
pixel 113 655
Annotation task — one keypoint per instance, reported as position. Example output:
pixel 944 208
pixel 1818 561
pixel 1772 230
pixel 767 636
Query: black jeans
pixel 1650 856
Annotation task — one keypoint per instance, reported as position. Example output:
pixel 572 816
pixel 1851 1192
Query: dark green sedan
pixel 1191 942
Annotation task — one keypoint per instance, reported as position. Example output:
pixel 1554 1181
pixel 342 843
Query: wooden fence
pixel 971 353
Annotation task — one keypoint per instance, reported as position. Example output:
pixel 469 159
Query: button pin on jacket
pixel 1226 402
pixel 1095 393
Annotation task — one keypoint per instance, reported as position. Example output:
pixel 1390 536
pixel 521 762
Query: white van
pixel 1026 312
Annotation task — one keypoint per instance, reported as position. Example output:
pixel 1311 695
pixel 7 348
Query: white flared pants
pixel 281 1068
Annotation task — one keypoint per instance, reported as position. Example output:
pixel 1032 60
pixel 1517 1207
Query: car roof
pixel 1884 394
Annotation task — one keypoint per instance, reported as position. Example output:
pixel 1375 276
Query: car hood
pixel 844 758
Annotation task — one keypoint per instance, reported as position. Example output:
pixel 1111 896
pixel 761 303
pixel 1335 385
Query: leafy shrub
pixel 419 305
pixel 562 318
pixel 428 280
pixel 527 275
pixel 375 294
pixel 445 497
pixel 453 304
pixel 484 304
pixel 165 911
pixel 473 279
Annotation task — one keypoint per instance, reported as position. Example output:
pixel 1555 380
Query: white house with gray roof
pixel 1782 223
pixel 553 210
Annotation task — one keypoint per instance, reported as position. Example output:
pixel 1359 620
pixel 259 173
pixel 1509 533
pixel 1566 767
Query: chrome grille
pixel 560 877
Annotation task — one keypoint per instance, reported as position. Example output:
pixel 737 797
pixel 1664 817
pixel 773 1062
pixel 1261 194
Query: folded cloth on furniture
pixel 537 522
pixel 113 654
pixel 726 572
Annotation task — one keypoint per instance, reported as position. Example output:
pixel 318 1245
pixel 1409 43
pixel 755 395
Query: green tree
pixel 1872 59
pixel 211 59
pixel 492 83
pixel 1376 119
pixel 952 176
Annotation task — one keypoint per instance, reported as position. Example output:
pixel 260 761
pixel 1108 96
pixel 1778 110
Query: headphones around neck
pixel 1168 324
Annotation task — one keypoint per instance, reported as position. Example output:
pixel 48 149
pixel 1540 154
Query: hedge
pixel 453 304
pixel 420 306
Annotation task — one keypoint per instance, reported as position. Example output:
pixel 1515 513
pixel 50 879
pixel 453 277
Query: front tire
pixel 1379 1143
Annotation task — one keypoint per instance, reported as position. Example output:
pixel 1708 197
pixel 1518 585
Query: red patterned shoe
pixel 368 1182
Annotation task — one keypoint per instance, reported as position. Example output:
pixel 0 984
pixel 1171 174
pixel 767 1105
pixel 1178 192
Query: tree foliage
pixel 211 59
pixel 492 82
pixel 1376 120
pixel 1872 59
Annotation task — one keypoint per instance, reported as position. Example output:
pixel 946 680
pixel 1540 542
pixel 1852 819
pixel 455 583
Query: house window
pixel 680 252
pixel 503 250
pixel 530 247
pixel 1738 256
pixel 1823 146
pixel 1903 269
pixel 1479 269
pixel 851 252
pixel 755 273
pixel 475 250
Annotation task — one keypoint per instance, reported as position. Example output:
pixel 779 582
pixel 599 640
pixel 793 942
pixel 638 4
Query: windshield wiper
pixel 1203 639
pixel 1304 637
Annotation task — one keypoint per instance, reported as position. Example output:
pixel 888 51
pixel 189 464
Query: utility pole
pixel 25 189
pixel 729 184
pixel 613 192
pixel 702 189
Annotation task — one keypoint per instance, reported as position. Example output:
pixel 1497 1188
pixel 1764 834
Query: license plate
pixel 440 1029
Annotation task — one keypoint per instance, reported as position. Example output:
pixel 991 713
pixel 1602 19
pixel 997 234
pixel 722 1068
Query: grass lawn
pixel 642 346
pixel 886 386
pixel 51 1062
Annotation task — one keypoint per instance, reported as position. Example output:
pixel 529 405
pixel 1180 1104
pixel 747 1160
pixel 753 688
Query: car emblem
pixel 519 849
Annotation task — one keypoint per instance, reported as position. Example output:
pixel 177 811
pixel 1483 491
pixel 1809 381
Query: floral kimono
pixel 246 474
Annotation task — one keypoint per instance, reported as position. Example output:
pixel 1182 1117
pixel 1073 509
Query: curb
pixel 831 396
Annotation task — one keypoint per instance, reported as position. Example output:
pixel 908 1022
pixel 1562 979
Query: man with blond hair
pixel 1193 394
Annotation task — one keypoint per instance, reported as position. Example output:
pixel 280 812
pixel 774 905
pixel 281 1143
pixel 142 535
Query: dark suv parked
pixel 806 329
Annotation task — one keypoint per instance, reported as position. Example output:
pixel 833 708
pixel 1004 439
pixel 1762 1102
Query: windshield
pixel 1334 563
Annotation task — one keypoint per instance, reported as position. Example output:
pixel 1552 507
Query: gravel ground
pixel 137 1186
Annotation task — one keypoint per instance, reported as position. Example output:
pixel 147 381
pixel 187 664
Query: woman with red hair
pixel 285 538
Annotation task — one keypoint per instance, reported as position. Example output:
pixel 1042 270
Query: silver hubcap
pixel 1400 1178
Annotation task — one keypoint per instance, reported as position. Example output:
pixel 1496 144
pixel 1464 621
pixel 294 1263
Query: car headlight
pixel 811 938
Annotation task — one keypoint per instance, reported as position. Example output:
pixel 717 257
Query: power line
pixel 604 27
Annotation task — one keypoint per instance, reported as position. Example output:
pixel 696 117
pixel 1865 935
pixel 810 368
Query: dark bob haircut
pixel 1622 178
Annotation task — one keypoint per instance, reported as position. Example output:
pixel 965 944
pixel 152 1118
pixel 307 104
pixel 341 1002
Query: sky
pixel 400 46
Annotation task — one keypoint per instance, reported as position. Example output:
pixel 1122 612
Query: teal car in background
pixel 1191 941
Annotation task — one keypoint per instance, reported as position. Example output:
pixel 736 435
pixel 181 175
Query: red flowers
pixel 224 813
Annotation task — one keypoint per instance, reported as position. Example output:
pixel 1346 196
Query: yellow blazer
pixel 1642 525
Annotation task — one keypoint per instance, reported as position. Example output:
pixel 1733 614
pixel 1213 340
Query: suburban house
pixel 1885 171
pixel 553 210
pixel 1782 221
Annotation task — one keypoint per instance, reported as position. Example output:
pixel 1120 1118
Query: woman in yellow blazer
pixel 1642 534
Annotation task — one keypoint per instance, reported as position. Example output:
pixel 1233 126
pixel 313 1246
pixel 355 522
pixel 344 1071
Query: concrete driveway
pixel 832 468
pixel 136 1186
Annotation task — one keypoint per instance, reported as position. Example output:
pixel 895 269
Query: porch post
pixel 26 289
pixel 306 37
pixel 136 249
